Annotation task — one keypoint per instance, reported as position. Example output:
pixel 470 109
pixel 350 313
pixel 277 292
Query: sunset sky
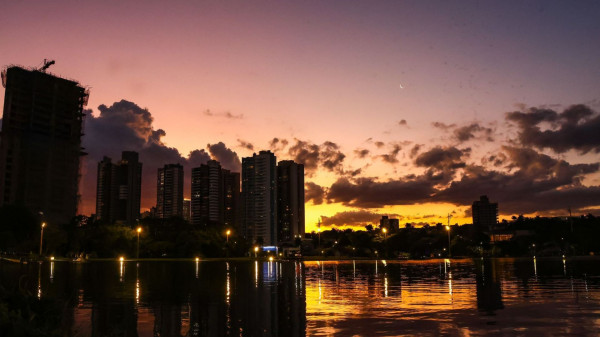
pixel 407 108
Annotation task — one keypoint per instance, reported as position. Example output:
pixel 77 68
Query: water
pixel 509 297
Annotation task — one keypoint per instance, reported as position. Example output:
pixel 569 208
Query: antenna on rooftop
pixel 47 64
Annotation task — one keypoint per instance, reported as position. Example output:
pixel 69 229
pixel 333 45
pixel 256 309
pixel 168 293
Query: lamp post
pixel 227 234
pixel 139 230
pixel 255 252
pixel 449 249
pixel 42 237
pixel 384 230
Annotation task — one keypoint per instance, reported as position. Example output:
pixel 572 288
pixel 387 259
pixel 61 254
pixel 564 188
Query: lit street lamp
pixel 256 252
pixel 139 230
pixel 384 230
pixel 449 249
pixel 227 233
pixel 42 237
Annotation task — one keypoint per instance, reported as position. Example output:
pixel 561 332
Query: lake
pixel 512 297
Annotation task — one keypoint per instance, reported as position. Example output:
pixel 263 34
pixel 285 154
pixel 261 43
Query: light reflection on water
pixel 345 298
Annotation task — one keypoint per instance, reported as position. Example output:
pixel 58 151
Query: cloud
pixel 125 126
pixel 276 145
pixel 442 158
pixel 471 131
pixel 312 156
pixel 361 153
pixel 228 158
pixel 443 126
pixel 392 156
pixel 225 114
pixel 353 218
pixel 576 128
pixel 369 193
pixel 403 122
pixel 314 192
pixel 245 144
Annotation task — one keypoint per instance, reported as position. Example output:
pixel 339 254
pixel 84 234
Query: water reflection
pixel 365 298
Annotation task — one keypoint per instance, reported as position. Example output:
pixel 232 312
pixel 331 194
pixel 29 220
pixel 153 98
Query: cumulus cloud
pixel 276 145
pixel 403 122
pixel 471 131
pixel 314 193
pixel 576 128
pixel 327 155
pixel 228 158
pixel 125 126
pixel 442 158
pixel 370 193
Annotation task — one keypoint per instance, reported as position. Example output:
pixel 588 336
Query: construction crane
pixel 47 64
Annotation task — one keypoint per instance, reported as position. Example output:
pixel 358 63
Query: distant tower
pixel 169 191
pixel 119 189
pixel 259 191
pixel 40 144
pixel 485 214
pixel 290 200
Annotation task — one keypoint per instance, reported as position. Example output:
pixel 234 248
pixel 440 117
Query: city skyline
pixel 403 109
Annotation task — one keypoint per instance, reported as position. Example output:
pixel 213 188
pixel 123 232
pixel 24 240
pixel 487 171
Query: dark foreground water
pixel 335 298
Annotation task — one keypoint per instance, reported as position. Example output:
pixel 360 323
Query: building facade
pixel 119 189
pixel 169 191
pixel 40 144
pixel 290 201
pixel 259 198
pixel 215 195
pixel 485 214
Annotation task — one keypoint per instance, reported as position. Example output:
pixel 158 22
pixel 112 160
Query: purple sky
pixel 360 75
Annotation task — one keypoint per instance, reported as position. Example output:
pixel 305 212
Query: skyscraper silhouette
pixel 169 191
pixel 119 189
pixel 40 146
pixel 290 201
pixel 259 195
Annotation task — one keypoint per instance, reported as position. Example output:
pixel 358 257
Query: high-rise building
pixel 231 198
pixel 40 146
pixel 485 214
pixel 389 224
pixel 187 210
pixel 215 194
pixel 290 201
pixel 169 191
pixel 259 198
pixel 119 189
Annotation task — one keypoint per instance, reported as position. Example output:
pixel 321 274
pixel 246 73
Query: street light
pixel 256 252
pixel 227 233
pixel 139 230
pixel 42 237
pixel 449 249
pixel 384 230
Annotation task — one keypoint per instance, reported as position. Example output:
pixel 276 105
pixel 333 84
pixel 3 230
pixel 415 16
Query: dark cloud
pixel 379 144
pixel 228 158
pixel 415 150
pixel 276 145
pixel 442 158
pixel 369 193
pixel 471 131
pixel 124 126
pixel 576 128
pixel 245 144
pixel 443 126
pixel 392 156
pixel 225 114
pixel 403 122
pixel 326 155
pixel 314 193
pixel 361 153
pixel 353 218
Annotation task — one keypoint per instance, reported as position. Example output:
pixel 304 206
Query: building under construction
pixel 40 143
